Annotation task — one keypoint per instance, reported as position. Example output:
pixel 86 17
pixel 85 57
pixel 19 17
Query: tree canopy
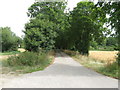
pixel 51 25
pixel 47 19
pixel 40 34
pixel 85 26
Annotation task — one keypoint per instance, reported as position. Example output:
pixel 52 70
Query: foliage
pixel 85 26
pixel 9 40
pixel 112 9
pixel 39 34
pixel 109 43
pixel 77 30
pixel 62 40
pixel 28 59
pixel 48 21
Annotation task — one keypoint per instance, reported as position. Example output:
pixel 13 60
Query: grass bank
pixel 100 66
pixel 27 62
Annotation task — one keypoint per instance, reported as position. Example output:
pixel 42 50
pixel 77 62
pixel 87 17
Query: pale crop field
pixel 21 50
pixel 107 56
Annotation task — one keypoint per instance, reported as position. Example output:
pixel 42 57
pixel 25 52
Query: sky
pixel 13 13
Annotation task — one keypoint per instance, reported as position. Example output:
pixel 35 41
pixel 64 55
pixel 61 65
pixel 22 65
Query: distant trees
pixel 9 40
pixel 109 43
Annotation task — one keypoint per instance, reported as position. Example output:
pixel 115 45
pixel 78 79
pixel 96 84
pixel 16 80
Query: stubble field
pixel 107 56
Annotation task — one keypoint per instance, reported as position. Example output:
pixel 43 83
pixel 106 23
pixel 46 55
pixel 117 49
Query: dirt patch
pixel 4 57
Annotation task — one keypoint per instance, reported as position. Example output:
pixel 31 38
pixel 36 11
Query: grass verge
pixel 105 68
pixel 27 62
pixel 10 53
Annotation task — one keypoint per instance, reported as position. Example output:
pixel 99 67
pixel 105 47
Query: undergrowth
pixel 27 62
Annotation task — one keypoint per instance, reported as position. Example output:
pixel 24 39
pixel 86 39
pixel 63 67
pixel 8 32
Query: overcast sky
pixel 13 13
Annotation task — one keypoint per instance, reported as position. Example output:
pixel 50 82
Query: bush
pixel 28 59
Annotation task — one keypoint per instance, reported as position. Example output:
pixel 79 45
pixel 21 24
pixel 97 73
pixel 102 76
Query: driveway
pixel 63 73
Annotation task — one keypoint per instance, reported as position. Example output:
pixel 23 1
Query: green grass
pixel 110 70
pixel 27 62
pixel 10 53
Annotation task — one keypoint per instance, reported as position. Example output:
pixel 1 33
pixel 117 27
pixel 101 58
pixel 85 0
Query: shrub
pixel 28 59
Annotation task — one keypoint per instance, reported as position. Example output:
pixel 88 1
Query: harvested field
pixel 21 50
pixel 109 56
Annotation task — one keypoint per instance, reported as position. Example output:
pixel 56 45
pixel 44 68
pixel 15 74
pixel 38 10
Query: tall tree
pixel 84 26
pixel 47 19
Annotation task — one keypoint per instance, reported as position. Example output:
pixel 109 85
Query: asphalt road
pixel 63 73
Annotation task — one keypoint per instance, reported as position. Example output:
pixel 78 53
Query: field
pixel 21 49
pixel 106 56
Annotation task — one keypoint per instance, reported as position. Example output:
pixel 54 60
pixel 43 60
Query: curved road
pixel 63 73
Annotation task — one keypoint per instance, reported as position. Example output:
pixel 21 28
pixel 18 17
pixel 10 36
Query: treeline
pixel 52 26
pixel 9 41
pixel 108 44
